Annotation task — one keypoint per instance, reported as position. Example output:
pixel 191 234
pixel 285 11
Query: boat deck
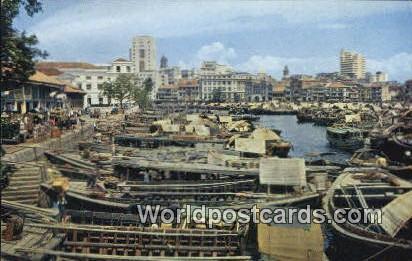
pixel 32 237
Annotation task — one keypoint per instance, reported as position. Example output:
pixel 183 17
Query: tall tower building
pixel 285 72
pixel 163 62
pixel 143 53
pixel 352 64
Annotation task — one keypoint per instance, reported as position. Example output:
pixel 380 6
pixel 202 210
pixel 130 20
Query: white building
pixel 91 79
pixel 352 64
pixel 221 83
pixel 169 75
pixel 143 53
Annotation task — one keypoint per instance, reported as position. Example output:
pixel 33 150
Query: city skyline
pixel 250 36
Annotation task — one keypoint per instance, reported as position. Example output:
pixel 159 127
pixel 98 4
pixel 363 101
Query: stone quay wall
pixel 68 140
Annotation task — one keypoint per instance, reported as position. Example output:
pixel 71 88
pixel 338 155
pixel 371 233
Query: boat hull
pixel 344 247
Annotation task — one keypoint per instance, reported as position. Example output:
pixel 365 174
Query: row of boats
pixel 99 190
pixel 388 131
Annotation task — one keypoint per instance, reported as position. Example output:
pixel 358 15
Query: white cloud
pixel 216 52
pixel 274 65
pixel 165 19
pixel 398 67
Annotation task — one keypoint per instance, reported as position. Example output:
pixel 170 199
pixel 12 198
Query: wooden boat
pixel 140 243
pixel 155 142
pixel 396 142
pixel 74 167
pixel 374 158
pixel 345 138
pixel 362 188
pixel 80 197
pixel 16 231
pixel 304 116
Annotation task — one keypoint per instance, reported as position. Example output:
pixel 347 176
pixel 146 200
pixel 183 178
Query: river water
pixel 306 137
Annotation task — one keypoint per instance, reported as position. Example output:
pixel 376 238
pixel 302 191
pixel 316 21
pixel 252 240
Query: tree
pixel 142 95
pixel 120 89
pixel 17 49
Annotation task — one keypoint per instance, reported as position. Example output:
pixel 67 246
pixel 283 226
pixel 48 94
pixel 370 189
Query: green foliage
pixel 122 88
pixel 142 95
pixel 17 49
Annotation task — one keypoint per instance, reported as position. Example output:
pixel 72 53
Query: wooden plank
pixel 131 258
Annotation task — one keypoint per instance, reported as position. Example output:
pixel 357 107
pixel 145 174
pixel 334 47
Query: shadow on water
pixel 306 138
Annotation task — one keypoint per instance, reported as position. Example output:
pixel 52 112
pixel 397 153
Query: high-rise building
pixel 286 72
pixel 163 62
pixel 352 64
pixel 143 53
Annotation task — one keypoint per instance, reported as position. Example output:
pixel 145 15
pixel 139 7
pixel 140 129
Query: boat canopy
pixel 397 213
pixel 264 134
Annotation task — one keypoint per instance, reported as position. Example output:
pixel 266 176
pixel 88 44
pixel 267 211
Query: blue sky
pixel 249 35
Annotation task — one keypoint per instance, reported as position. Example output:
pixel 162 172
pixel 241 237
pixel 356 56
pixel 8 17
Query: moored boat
pixel 366 188
pixel 345 138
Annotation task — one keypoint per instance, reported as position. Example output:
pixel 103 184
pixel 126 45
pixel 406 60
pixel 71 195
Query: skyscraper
pixel 143 53
pixel 285 72
pixel 352 64
pixel 163 62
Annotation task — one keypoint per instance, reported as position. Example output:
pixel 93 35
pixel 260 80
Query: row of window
pixel 99 77
pixel 101 100
pixel 228 89
pixel 218 82
pixel 89 86
pixel 119 68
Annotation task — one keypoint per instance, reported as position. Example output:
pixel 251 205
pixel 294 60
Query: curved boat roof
pixel 397 213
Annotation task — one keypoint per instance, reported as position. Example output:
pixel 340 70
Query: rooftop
pixel 120 60
pixel 43 78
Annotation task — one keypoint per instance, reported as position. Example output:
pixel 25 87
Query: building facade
pixel 352 64
pixel 39 92
pixel 189 90
pixel 375 92
pixel 259 89
pixel 91 80
pixel 221 83
pixel 143 53
pixel 377 77
pixel 169 75
pixel 167 93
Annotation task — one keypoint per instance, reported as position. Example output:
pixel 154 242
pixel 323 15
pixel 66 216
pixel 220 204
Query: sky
pixel 253 36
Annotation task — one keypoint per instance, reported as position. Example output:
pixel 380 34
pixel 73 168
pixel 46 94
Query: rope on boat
pixel 378 253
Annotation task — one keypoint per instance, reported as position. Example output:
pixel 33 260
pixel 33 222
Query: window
pixel 79 85
pixel 141 65
pixel 88 77
pixel 89 100
pixel 88 86
pixel 141 53
pixel 99 86
pixel 117 68
pixel 100 100
pixel 128 68
pixel 100 77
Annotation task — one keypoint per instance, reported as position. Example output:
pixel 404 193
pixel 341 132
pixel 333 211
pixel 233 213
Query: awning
pixel 397 213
